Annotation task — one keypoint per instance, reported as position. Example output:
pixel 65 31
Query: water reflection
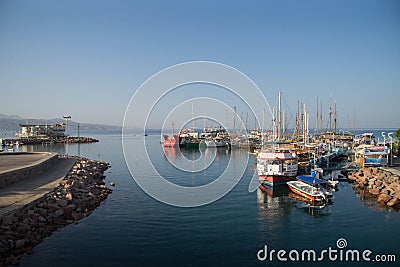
pixel 74 149
pixel 58 148
pixel 309 206
pixel 273 201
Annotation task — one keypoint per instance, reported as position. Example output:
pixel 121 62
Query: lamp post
pixel 67 118
pixel 391 148
pixel 384 145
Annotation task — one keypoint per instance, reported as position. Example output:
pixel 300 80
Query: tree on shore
pixel 397 142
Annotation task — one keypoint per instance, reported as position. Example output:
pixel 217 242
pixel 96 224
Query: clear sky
pixel 86 58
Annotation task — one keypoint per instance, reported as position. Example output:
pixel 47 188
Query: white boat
pixel 216 142
pixel 306 190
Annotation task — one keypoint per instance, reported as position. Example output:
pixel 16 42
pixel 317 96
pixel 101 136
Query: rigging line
pixel 290 112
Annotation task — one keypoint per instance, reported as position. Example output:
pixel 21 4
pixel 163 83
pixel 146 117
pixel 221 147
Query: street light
pixel 384 145
pixel 391 148
pixel 67 118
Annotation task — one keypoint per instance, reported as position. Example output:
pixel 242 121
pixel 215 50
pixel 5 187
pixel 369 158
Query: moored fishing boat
pixel 276 166
pixel 169 141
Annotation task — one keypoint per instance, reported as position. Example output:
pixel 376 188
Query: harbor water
pixel 131 228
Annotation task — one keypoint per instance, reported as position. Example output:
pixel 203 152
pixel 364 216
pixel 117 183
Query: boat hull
pixel 192 145
pixel 169 143
pixel 274 191
pixel 271 180
pixel 215 144
pixel 297 190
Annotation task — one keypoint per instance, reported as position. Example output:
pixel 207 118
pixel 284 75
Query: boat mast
pixel 348 122
pixel 255 123
pixel 278 115
pixel 298 124
pixel 234 119
pixel 204 122
pixel 304 123
pixel 274 135
pixel 354 121
pixel 330 114
pixel 262 128
pixel 283 124
pixel 316 120
pixel 241 123
pixel 321 115
pixel 227 119
pixel 334 118
pixel 247 118
pixel 193 116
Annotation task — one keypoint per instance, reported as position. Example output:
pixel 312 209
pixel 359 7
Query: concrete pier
pixel 26 177
pixel 68 191
pixel 16 167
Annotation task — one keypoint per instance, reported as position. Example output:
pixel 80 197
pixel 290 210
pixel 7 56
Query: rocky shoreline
pixel 377 184
pixel 77 195
pixel 75 140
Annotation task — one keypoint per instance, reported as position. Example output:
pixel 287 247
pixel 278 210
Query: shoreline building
pixel 42 131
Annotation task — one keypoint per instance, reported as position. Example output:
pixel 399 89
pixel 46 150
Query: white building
pixel 42 130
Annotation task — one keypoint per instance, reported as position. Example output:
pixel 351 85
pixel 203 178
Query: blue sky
pixel 87 58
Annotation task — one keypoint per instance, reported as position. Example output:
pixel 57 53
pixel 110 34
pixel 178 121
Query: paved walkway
pixel 20 194
pixel 11 161
pixel 395 169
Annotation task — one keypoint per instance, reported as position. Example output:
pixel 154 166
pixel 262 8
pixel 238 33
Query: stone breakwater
pixel 75 140
pixel 59 140
pixel 377 184
pixel 77 195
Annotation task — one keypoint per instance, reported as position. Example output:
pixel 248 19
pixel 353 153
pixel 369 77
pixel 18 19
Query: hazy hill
pixel 11 123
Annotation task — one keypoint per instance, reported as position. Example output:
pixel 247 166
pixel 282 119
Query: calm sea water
pixel 132 229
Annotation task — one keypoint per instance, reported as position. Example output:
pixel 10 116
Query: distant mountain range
pixel 12 122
